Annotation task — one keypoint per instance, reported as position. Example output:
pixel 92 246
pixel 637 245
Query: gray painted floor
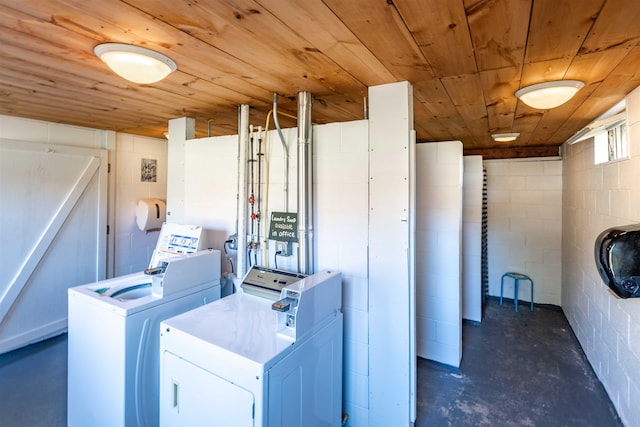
pixel 33 385
pixel 518 369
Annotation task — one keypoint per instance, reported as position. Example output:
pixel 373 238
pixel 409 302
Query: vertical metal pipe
pixel 286 152
pixel 305 185
pixel 241 228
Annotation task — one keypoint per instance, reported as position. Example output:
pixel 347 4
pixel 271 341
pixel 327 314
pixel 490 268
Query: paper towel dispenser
pixel 151 214
pixel 617 253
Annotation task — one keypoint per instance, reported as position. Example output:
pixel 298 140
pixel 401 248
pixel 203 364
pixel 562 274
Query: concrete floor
pixel 518 369
pixel 33 385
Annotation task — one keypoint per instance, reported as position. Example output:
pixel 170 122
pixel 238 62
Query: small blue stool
pixel 516 277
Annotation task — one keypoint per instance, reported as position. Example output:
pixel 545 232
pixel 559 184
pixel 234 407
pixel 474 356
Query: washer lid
pixel 126 295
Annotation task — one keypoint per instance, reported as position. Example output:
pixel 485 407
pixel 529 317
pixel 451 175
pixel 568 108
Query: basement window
pixel 611 144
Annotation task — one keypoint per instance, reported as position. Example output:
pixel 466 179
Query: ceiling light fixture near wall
pixel 505 137
pixel 134 63
pixel 549 94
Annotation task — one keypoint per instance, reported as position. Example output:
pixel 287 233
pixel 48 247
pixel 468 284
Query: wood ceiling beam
pixel 491 153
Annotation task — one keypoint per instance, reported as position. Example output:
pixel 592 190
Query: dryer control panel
pixel 268 282
pixel 308 303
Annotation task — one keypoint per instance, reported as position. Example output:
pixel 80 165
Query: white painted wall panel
pixel 53 206
pixel 391 255
pixel 134 248
pixel 180 130
pixel 341 234
pixel 210 199
pixel 439 177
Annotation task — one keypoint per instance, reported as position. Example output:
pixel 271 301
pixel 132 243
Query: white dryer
pixel 113 344
pixel 247 360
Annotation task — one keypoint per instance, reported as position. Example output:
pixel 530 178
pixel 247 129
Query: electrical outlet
pixel 284 248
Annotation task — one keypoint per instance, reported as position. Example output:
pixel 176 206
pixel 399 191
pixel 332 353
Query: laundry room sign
pixel 284 226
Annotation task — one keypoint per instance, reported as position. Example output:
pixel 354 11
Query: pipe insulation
pixel 305 185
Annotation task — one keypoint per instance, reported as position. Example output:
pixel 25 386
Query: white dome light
pixel 505 137
pixel 549 94
pixel 134 63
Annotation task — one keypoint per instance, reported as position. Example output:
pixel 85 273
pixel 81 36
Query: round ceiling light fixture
pixel 134 63
pixel 505 137
pixel 546 95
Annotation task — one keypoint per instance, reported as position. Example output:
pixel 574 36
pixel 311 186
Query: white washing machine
pixel 113 344
pixel 247 360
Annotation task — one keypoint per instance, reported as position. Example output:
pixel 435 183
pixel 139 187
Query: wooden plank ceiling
pixel 465 59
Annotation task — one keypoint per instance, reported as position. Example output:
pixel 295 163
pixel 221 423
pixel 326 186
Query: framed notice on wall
pixel 284 226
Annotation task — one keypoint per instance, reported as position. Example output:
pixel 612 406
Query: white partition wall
pixel 341 227
pixel 439 168
pixel 472 239
pixel 362 229
pixel 207 192
pixel 180 130
pixel 392 355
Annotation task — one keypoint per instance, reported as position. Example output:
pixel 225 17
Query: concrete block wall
pixel 211 197
pixel 608 327
pixel 52 133
pixel 525 226
pixel 348 238
pixel 133 248
pixel 341 192
pixel 439 170
pixel 341 213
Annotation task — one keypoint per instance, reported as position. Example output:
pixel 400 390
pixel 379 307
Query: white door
pixel 192 396
pixel 53 229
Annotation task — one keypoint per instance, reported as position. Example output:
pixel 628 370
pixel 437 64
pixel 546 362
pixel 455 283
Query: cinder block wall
pixel 525 226
pixel 608 328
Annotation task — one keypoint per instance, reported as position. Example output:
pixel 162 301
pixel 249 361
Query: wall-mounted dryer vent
pixel 617 253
